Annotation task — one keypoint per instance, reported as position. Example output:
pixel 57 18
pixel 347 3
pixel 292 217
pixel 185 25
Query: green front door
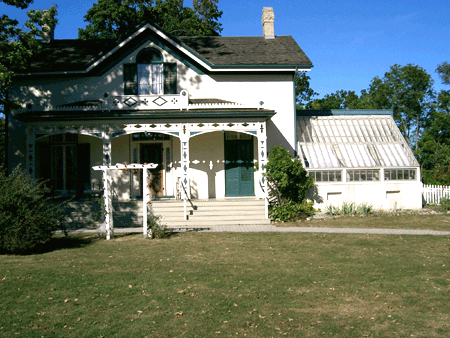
pixel 239 179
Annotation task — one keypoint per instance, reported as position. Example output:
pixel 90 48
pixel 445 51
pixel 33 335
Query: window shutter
pixel 44 165
pixel 130 79
pixel 170 78
pixel 84 164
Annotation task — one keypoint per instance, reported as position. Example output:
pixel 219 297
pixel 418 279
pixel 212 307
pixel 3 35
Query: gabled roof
pixel 248 50
pixel 214 53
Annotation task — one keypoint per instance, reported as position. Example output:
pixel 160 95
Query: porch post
pixel 262 160
pixel 184 139
pixel 107 193
pixel 30 153
pixel 145 199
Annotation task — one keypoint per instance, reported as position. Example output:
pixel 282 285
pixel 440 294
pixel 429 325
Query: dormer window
pixel 150 75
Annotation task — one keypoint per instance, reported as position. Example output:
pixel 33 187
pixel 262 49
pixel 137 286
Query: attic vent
pixel 267 21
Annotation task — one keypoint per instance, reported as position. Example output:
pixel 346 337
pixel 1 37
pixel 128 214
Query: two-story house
pixel 206 110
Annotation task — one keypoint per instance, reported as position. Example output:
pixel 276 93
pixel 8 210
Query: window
pixel 148 136
pixel 399 174
pixel 326 175
pixel 150 75
pixel 363 175
pixel 64 163
pixel 234 135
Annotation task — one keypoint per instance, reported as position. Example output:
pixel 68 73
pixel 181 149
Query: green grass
pixel 230 285
pixel 394 220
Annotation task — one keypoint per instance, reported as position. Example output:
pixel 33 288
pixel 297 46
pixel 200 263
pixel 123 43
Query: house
pixel 204 109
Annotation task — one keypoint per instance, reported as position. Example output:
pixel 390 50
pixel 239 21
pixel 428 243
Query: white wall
pixel 382 195
pixel 275 90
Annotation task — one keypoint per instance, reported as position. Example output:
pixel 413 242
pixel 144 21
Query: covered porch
pixel 200 159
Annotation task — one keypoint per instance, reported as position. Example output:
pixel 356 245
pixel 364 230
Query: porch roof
pixel 106 115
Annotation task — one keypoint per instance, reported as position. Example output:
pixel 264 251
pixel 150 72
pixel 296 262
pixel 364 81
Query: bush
pixel 28 216
pixel 291 211
pixel 287 176
pixel 288 182
pixel 443 206
pixel 154 227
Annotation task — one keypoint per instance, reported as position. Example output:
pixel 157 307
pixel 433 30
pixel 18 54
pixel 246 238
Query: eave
pixel 143 115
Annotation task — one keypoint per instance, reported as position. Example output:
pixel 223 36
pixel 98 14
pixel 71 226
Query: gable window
pixel 150 75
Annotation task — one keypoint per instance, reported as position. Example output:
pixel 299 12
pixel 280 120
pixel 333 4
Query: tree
pixel 303 92
pixel 434 147
pixel 18 44
pixel 2 141
pixel 118 19
pixel 343 99
pixel 444 72
pixel 408 90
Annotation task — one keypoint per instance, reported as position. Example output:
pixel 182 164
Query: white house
pixel 204 109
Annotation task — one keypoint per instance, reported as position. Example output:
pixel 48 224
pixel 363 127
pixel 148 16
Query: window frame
pixel 150 56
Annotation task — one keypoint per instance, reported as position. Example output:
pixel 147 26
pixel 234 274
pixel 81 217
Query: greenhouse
pixel 358 156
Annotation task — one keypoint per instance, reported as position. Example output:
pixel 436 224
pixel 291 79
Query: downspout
pixel 295 115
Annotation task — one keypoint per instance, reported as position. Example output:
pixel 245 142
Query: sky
pixel 349 42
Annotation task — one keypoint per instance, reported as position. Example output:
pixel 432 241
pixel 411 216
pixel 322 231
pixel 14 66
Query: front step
pixel 203 213
pixel 236 211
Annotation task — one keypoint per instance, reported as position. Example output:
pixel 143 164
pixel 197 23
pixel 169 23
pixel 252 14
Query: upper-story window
pixel 150 75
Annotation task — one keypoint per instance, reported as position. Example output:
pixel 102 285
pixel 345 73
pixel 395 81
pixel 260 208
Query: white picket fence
pixel 434 193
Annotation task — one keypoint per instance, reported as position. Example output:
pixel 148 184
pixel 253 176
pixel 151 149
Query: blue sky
pixel 349 42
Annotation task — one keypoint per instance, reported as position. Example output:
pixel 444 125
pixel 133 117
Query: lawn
pixel 230 285
pixel 394 220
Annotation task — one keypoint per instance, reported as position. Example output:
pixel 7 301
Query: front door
pixel 153 153
pixel 239 176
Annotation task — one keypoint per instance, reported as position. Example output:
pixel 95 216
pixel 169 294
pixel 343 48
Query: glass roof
pixel 357 141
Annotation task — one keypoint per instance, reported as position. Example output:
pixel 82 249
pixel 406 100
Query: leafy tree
pixel 434 147
pixel 17 44
pixel 408 90
pixel 118 19
pixel 2 141
pixel 343 99
pixel 303 92
pixel 444 72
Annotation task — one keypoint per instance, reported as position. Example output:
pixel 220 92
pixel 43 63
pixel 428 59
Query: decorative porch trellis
pixel 107 193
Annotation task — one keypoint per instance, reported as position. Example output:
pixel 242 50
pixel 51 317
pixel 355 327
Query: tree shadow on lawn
pixel 69 242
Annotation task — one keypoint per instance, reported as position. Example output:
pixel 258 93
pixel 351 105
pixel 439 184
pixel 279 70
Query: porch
pixel 127 215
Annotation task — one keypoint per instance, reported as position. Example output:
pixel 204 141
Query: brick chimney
pixel 267 20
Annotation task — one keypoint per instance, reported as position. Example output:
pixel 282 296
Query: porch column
pixel 107 193
pixel 184 139
pixel 262 160
pixel 30 153
pixel 145 200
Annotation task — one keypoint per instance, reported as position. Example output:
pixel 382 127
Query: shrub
pixel 288 182
pixel 443 206
pixel 154 227
pixel 291 211
pixel 287 176
pixel 28 216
